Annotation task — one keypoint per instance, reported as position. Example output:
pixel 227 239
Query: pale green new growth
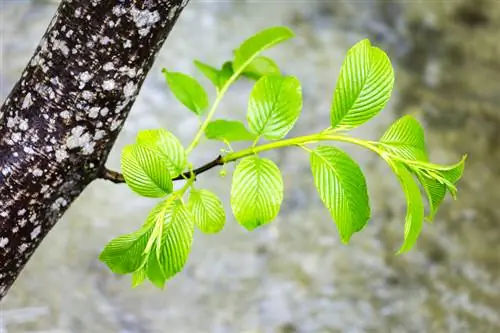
pixel 160 248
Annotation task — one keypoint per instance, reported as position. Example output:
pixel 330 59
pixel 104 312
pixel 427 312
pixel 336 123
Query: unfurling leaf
pixel 167 145
pixel 125 254
pixel 405 138
pixel 207 210
pixel 274 106
pixel 188 91
pixel 342 188
pixel 435 189
pixel 258 43
pixel 256 192
pixel 415 206
pixel 261 66
pixel 364 86
pixel 144 171
pixel 228 130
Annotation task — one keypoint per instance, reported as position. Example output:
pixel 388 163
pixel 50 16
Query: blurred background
pixel 293 275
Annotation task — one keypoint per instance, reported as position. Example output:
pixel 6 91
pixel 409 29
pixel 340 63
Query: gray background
pixel 294 275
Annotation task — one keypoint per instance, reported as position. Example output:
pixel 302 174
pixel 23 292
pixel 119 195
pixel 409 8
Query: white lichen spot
pixel 105 40
pixel 11 122
pixel 99 134
pixel 22 247
pixel 44 188
pixel 65 114
pixel 127 44
pixel 172 12
pixel 61 155
pixel 3 242
pixel 78 12
pixel 88 148
pixel 21 212
pixel 85 77
pixel 129 90
pixel 144 18
pixel 104 112
pixel 16 137
pixel 119 10
pixel 23 124
pixel 108 85
pixel 36 232
pixel 27 102
pixel 94 112
pixel 60 202
pixel 37 173
pixel 115 124
pixel 108 66
pixel 60 45
pixel 88 95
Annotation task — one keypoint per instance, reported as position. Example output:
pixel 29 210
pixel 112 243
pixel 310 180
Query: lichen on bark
pixel 60 121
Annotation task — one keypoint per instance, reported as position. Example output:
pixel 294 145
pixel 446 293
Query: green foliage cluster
pixel 160 248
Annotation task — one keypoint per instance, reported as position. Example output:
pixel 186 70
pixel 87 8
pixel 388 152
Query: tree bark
pixel 61 119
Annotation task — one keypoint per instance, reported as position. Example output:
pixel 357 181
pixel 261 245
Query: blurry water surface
pixel 294 275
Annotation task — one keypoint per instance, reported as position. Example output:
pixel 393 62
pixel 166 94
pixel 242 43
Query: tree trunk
pixel 61 119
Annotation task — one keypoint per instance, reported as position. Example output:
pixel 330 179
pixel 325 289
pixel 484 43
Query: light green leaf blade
pixel 138 277
pixel 274 106
pixel 167 145
pixel 405 138
pixel 225 73
pixel 144 171
pixel 264 39
pixel 364 86
pixel 261 66
pixel 125 254
pixel 415 206
pixel 188 91
pixel 256 192
pixel 177 238
pixel 228 130
pixel 207 210
pixel 209 72
pixel 154 270
pixel 435 189
pixel 342 188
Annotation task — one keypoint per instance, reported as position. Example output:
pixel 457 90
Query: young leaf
pixel 138 277
pixel 415 206
pixel 256 192
pixel 436 189
pixel 166 144
pixel 207 210
pixel 225 73
pixel 258 43
pixel 274 106
pixel 405 138
pixel 228 130
pixel 144 171
pixel 154 271
pixel 261 66
pixel 176 239
pixel 364 86
pixel 210 72
pixel 342 188
pixel 188 91
pixel 125 254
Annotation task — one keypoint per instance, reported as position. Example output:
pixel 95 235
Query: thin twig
pixel 117 178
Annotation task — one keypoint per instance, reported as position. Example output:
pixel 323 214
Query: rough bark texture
pixel 61 119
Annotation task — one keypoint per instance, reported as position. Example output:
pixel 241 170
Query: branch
pixel 60 121
pixel 117 178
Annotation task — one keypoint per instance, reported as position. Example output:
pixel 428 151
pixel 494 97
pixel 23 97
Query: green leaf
pixel 207 210
pixel 415 206
pixel 228 130
pixel 405 138
pixel 138 277
pixel 177 238
pixel 154 270
pixel 125 254
pixel 258 43
pixel 188 91
pixel 274 106
pixel 225 73
pixel 342 188
pixel 209 72
pixel 256 192
pixel 261 66
pixel 144 171
pixel 435 189
pixel 364 86
pixel 167 145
